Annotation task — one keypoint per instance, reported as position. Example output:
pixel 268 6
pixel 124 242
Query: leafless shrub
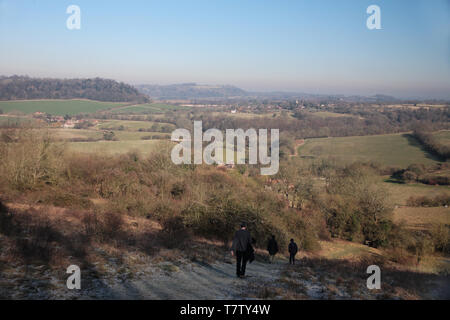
pixel 174 232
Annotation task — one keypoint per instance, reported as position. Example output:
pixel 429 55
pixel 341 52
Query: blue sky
pixel 315 46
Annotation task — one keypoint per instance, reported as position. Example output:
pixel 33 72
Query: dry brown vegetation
pixel 60 207
pixel 346 279
pixel 186 201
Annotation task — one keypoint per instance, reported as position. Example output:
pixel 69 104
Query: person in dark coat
pixel 293 249
pixel 250 253
pixel 272 247
pixel 240 248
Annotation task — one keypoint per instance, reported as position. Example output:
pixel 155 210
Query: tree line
pixel 22 88
pixel 307 125
pixel 431 144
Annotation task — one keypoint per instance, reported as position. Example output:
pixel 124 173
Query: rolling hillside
pixel 389 149
pixel 190 91
pixel 25 88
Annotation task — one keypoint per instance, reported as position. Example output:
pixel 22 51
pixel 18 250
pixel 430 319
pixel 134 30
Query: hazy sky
pixel 315 46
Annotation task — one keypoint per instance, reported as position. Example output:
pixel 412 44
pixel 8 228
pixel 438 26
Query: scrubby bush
pixel 423 201
pixel 109 136
pixel 6 220
pixel 111 225
pixel 102 226
pixel 90 223
pixel 219 217
pixel 357 207
pixel 431 144
pixel 204 201
pixel 435 180
pixel 409 176
pixel 178 189
pixel 440 235
pixel 174 232
pixel 31 160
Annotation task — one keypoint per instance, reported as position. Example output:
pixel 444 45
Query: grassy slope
pixel 443 137
pixel 327 114
pixel 57 107
pixel 401 192
pixel 11 120
pixel 389 150
pixel 418 218
pixel 145 147
pixel 422 218
pixel 149 108
pixel 131 125
pixel 67 134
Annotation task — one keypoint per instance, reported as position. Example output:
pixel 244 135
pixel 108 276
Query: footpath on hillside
pixel 196 280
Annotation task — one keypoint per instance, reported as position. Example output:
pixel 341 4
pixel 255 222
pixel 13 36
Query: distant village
pixel 63 121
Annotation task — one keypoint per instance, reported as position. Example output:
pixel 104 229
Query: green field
pixel 127 142
pixel 390 150
pixel 144 147
pixel 134 135
pixel 244 115
pixel 422 218
pixel 57 107
pixel 70 134
pixel 327 114
pixel 400 193
pixel 9 120
pixel 443 137
pixel 132 125
pixel 149 108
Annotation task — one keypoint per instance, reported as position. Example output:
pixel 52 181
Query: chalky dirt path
pixel 196 280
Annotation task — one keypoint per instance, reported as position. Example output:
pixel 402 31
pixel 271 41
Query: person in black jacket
pixel 293 249
pixel 240 248
pixel 250 253
pixel 272 247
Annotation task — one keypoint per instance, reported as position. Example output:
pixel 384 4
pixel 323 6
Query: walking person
pixel 241 242
pixel 272 247
pixel 293 249
pixel 250 253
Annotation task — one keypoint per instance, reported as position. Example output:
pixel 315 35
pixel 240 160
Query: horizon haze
pixel 320 47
